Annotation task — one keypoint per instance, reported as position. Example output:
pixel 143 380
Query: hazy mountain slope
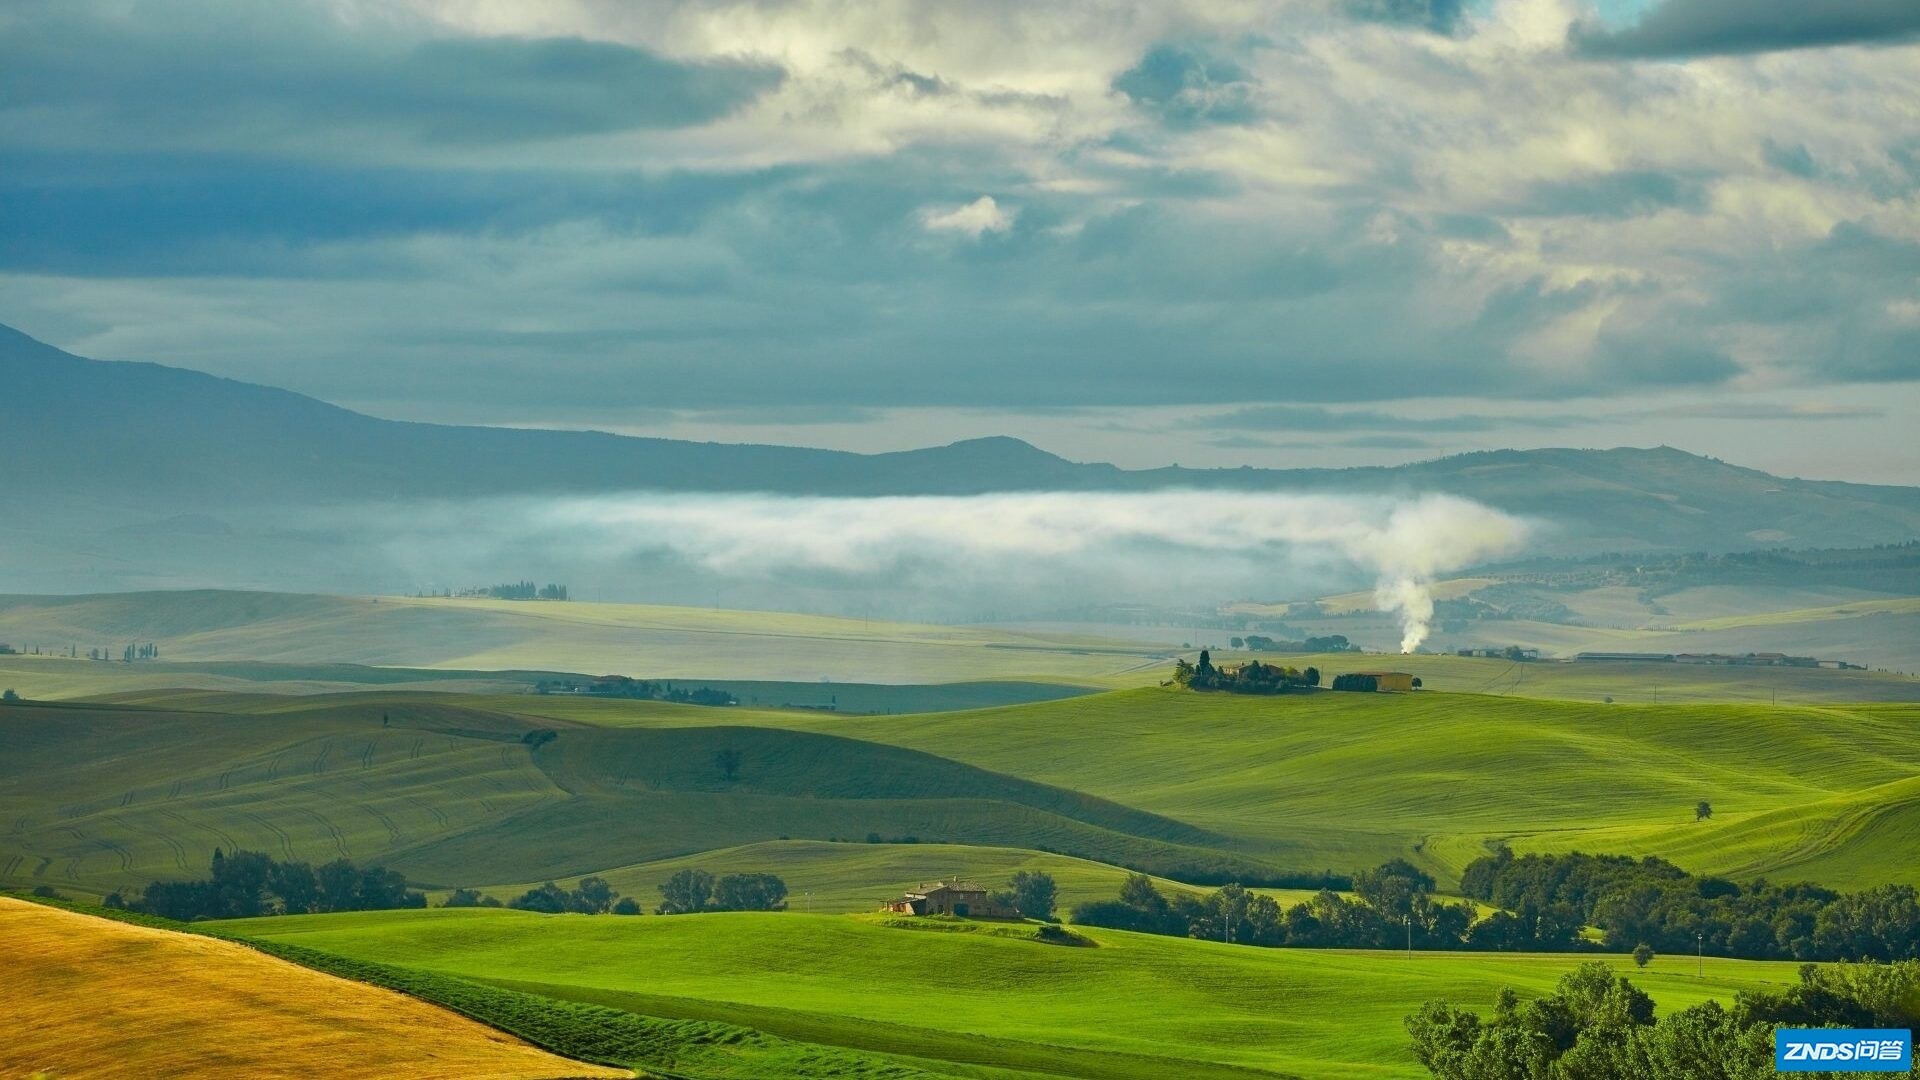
pixel 126 458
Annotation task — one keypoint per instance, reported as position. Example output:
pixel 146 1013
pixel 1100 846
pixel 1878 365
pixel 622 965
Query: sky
pixel 1210 232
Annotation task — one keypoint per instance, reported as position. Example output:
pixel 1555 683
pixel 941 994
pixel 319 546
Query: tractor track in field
pixel 215 830
pixel 178 849
pixel 41 870
pixel 13 863
pixel 413 752
pixel 273 764
pixel 320 763
pixel 126 857
pixel 126 800
pixel 366 756
pixel 226 777
pixel 339 841
pixel 174 791
pixel 280 834
pixel 439 816
pixel 394 834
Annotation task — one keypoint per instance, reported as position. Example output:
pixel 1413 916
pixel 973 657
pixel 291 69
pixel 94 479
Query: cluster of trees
pixel 1395 908
pixel 1598 1026
pixel 1262 643
pixel 690 891
pixel 248 883
pixel 1252 677
pixel 622 686
pixel 133 651
pixel 521 590
pixel 1651 901
pixel 592 896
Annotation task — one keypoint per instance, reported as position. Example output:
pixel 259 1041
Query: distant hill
pixel 126 462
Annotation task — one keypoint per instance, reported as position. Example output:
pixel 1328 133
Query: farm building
pixel 1376 681
pixel 949 898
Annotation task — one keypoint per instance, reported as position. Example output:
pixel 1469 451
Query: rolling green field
pixel 1133 1006
pixel 461 777
pixel 100 796
pixel 825 878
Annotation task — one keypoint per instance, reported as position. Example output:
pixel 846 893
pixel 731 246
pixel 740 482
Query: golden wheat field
pixel 87 997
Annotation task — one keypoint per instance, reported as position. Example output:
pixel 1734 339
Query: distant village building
pixel 950 898
pixel 1752 659
pixel 1509 653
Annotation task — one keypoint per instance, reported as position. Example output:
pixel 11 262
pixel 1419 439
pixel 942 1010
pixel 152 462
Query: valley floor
pixel 973 994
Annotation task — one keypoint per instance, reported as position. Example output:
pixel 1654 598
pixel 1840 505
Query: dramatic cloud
pixel 1705 27
pixel 854 206
pixel 251 77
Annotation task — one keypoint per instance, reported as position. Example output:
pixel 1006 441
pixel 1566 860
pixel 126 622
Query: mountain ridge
pixel 103 445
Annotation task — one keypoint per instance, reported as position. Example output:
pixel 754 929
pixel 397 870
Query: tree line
pixel 1545 901
pixel 249 883
pixel 1547 898
pixel 1598 1026
pixel 1395 907
pixel 684 893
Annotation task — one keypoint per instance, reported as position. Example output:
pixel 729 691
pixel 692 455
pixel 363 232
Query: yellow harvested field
pixel 88 997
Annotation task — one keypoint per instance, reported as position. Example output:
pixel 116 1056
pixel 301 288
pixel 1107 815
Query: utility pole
pixel 1699 955
pixel 1409 920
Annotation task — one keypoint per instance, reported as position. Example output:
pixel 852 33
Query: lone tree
pixel 1642 954
pixel 728 761
pixel 10 695
pixel 1034 894
pixel 1702 810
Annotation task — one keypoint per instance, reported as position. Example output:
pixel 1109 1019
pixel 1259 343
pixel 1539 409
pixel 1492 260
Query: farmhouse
pixel 949 898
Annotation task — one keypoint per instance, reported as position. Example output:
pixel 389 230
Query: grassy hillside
pixel 87 997
pixel 447 789
pixel 1134 1006
pixel 1338 780
pixel 103 797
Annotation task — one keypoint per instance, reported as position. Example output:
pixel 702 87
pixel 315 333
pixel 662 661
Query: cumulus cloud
pixel 982 215
pixel 1678 28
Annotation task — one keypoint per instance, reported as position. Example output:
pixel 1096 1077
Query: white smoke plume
pixel 1401 543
